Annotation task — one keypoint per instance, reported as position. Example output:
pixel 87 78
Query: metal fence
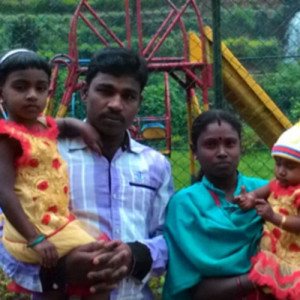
pixel 259 55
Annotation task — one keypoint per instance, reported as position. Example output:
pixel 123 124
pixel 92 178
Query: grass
pixel 255 164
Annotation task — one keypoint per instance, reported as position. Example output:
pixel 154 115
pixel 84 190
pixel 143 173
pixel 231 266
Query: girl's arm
pixel 222 288
pixel 288 223
pixel 71 127
pixel 247 200
pixel 9 150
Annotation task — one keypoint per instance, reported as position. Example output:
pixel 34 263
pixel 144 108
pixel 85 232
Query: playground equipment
pixel 189 74
pixel 191 69
pixel 245 94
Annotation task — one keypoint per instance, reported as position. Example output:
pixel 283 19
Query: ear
pixel 141 98
pixel 84 92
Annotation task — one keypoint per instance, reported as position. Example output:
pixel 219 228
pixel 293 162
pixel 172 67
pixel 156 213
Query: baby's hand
pixel 48 253
pixel 245 200
pixel 91 137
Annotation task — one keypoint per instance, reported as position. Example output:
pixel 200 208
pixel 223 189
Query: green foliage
pixel 23 32
pixel 245 47
pixel 250 140
pixel 4 294
pixel 283 87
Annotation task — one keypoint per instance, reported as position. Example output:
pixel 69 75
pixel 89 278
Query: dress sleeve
pixel 297 199
pixel 10 129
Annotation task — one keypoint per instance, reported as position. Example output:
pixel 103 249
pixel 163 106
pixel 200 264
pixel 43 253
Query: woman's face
pixel 218 150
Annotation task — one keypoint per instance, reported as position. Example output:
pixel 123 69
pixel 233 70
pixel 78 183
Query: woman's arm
pixel 223 288
pixel 9 150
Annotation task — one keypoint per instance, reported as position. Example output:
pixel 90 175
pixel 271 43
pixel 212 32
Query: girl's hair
pixel 203 120
pixel 22 59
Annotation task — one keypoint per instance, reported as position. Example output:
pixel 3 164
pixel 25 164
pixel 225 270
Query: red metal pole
pixel 88 23
pixel 128 30
pixel 184 39
pixel 168 112
pixel 152 41
pixel 171 26
pixel 103 24
pixel 139 25
pixel 193 76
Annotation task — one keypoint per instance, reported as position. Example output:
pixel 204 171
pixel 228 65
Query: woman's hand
pixel 48 253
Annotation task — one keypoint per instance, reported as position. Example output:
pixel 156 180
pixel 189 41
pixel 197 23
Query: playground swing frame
pixel 182 69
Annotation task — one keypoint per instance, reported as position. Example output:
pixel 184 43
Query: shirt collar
pixel 210 186
pixel 129 144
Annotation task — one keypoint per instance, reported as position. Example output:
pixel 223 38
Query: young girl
pixel 34 191
pixel 276 268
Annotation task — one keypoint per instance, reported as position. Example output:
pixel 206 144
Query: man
pixel 124 192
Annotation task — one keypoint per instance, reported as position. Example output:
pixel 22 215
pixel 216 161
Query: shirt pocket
pixel 139 192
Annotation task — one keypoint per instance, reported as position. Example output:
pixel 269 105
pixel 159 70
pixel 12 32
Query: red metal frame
pixel 148 50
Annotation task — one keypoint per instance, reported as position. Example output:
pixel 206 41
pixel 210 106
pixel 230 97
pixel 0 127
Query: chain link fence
pixel 260 74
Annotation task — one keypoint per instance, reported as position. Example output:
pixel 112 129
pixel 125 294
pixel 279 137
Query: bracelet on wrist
pixel 36 241
pixel 282 222
pixel 240 287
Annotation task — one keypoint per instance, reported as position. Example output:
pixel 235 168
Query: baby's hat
pixel 288 144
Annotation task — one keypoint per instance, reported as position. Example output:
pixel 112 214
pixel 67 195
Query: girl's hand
pixel 91 137
pixel 264 210
pixel 245 200
pixel 48 253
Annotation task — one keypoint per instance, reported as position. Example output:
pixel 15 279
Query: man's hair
pixel 23 60
pixel 118 62
pixel 202 121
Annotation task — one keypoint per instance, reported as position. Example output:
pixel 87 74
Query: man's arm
pixel 156 242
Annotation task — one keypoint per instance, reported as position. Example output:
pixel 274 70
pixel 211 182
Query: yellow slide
pixel 245 95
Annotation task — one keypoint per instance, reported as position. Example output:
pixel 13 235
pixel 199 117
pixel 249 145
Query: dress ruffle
pixel 15 131
pixel 267 272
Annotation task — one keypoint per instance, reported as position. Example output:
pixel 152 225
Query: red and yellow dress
pixel 277 266
pixel 42 186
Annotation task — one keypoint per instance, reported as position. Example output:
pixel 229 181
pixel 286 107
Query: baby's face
pixel 287 171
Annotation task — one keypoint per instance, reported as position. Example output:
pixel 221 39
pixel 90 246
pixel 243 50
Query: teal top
pixel 206 238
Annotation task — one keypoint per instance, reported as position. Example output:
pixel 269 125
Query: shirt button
pixel 55 286
pixel 114 196
pixel 117 231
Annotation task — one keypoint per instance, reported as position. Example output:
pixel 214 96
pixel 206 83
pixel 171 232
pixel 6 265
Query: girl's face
pixel 218 150
pixel 24 95
pixel 287 171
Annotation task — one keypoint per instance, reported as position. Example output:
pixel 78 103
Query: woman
pixel 210 239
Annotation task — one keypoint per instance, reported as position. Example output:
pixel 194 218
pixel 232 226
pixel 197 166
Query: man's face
pixel 112 103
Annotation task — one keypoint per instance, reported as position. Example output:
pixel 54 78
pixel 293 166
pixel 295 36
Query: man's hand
pixel 100 264
pixel 48 253
pixel 112 266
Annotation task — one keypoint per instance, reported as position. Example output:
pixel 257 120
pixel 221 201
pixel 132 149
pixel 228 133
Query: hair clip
pixel 12 52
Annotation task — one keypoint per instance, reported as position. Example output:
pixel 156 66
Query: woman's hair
pixel 203 120
pixel 118 62
pixel 215 115
pixel 22 59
